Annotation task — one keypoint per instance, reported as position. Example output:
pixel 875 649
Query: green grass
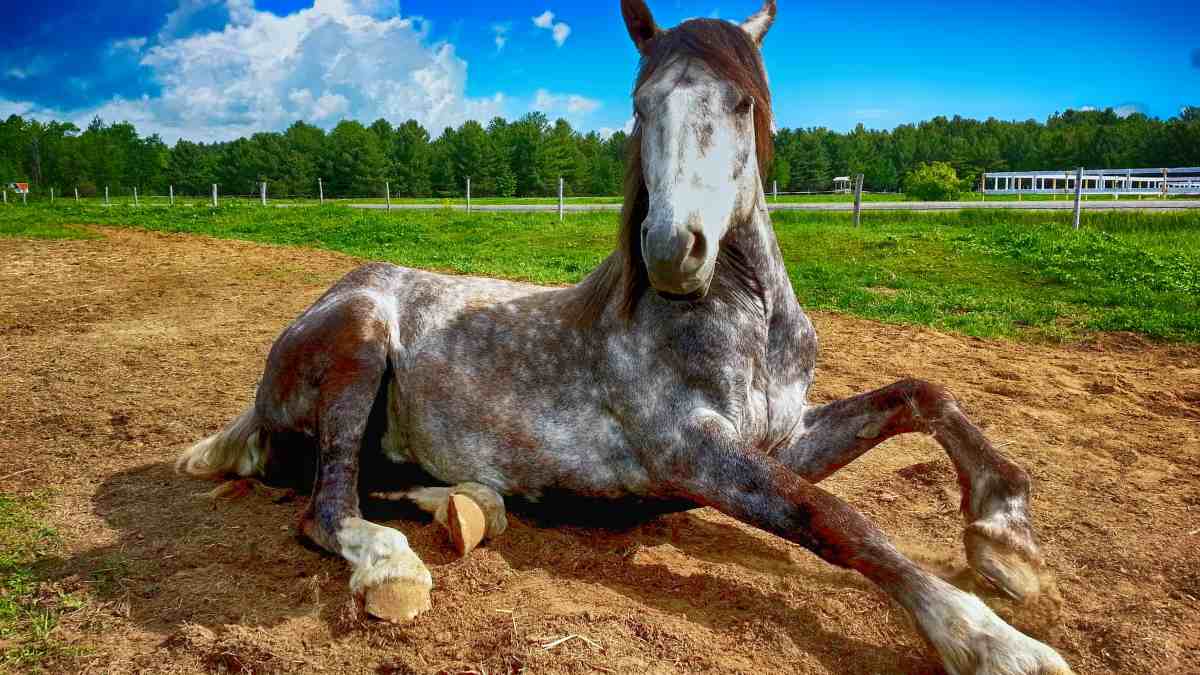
pixel 1019 274
pixel 31 223
pixel 27 616
pixel 1012 274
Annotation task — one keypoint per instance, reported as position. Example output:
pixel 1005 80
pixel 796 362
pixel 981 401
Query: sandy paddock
pixel 119 351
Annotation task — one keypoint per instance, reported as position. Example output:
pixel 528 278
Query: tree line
pixel 526 157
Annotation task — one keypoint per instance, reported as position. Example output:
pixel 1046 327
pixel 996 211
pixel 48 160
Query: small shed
pixel 842 184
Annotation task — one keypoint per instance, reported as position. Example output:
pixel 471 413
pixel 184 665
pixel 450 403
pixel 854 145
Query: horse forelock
pixel 731 54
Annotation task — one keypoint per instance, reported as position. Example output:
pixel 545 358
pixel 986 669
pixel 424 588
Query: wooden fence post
pixel 560 199
pixel 775 190
pixel 106 195
pixel 1166 192
pixel 214 196
pixel 1078 195
pixel 858 186
pixel 468 195
pixel 262 193
pixel 5 196
pixel 76 195
pixel 387 194
pixel 135 199
pixel 171 189
pixel 52 195
pixel 321 191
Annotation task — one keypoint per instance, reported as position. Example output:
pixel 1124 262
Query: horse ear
pixel 640 23
pixel 758 25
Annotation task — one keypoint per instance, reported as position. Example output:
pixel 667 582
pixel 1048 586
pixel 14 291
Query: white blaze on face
pixel 700 167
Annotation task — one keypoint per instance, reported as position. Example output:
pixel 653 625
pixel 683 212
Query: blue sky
pixel 216 69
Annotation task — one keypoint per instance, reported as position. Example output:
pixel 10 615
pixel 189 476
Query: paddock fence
pixel 1038 189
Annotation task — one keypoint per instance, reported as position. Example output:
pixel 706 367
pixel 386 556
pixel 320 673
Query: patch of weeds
pixel 110 574
pixel 27 619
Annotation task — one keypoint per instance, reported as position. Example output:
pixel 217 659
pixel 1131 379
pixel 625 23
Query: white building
pixel 1157 182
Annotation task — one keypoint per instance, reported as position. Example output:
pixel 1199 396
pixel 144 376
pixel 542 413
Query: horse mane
pixel 730 52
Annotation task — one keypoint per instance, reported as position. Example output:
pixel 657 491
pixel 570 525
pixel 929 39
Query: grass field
pixel 232 200
pixel 27 617
pixel 203 201
pixel 1012 274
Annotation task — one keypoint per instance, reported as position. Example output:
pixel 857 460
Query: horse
pixel 674 376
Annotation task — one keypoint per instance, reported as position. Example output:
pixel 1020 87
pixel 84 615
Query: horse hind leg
pixel 999 538
pixel 470 512
pixel 388 576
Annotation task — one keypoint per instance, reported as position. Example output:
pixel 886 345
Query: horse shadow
pixel 181 557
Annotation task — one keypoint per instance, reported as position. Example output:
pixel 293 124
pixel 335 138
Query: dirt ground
pixel 116 353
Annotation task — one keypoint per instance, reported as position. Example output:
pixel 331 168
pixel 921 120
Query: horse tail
pixel 240 449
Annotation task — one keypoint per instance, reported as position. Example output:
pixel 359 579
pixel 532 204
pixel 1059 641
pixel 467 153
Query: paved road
pixel 1066 205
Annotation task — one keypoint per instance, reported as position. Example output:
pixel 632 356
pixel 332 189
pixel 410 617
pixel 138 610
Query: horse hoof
pixel 397 601
pixel 490 503
pixel 972 640
pixel 1006 568
pixel 466 523
pixel 392 582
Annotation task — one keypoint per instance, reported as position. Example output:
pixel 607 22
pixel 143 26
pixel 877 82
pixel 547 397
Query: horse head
pixel 702 138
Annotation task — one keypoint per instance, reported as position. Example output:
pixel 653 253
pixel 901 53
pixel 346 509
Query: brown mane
pixel 730 53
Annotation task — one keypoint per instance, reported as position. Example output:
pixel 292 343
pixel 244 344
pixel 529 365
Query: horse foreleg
pixel 762 492
pixel 998 537
pixel 388 575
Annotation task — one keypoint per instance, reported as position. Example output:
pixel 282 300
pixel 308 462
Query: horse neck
pixel 758 245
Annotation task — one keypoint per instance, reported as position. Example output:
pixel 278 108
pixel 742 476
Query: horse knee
pixel 926 401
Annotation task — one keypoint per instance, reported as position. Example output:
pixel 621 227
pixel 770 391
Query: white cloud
pixel 1122 110
pixel 16 74
pixel 356 59
pixel 372 8
pixel 571 105
pixel 1127 109
pixel 607 132
pixel 8 108
pixel 133 44
pixel 500 34
pixel 339 59
pixel 560 31
pixel 192 16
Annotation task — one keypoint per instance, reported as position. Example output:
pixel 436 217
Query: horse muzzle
pixel 678 260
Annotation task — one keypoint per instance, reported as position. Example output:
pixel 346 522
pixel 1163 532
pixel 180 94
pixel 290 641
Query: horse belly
pixel 516 442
